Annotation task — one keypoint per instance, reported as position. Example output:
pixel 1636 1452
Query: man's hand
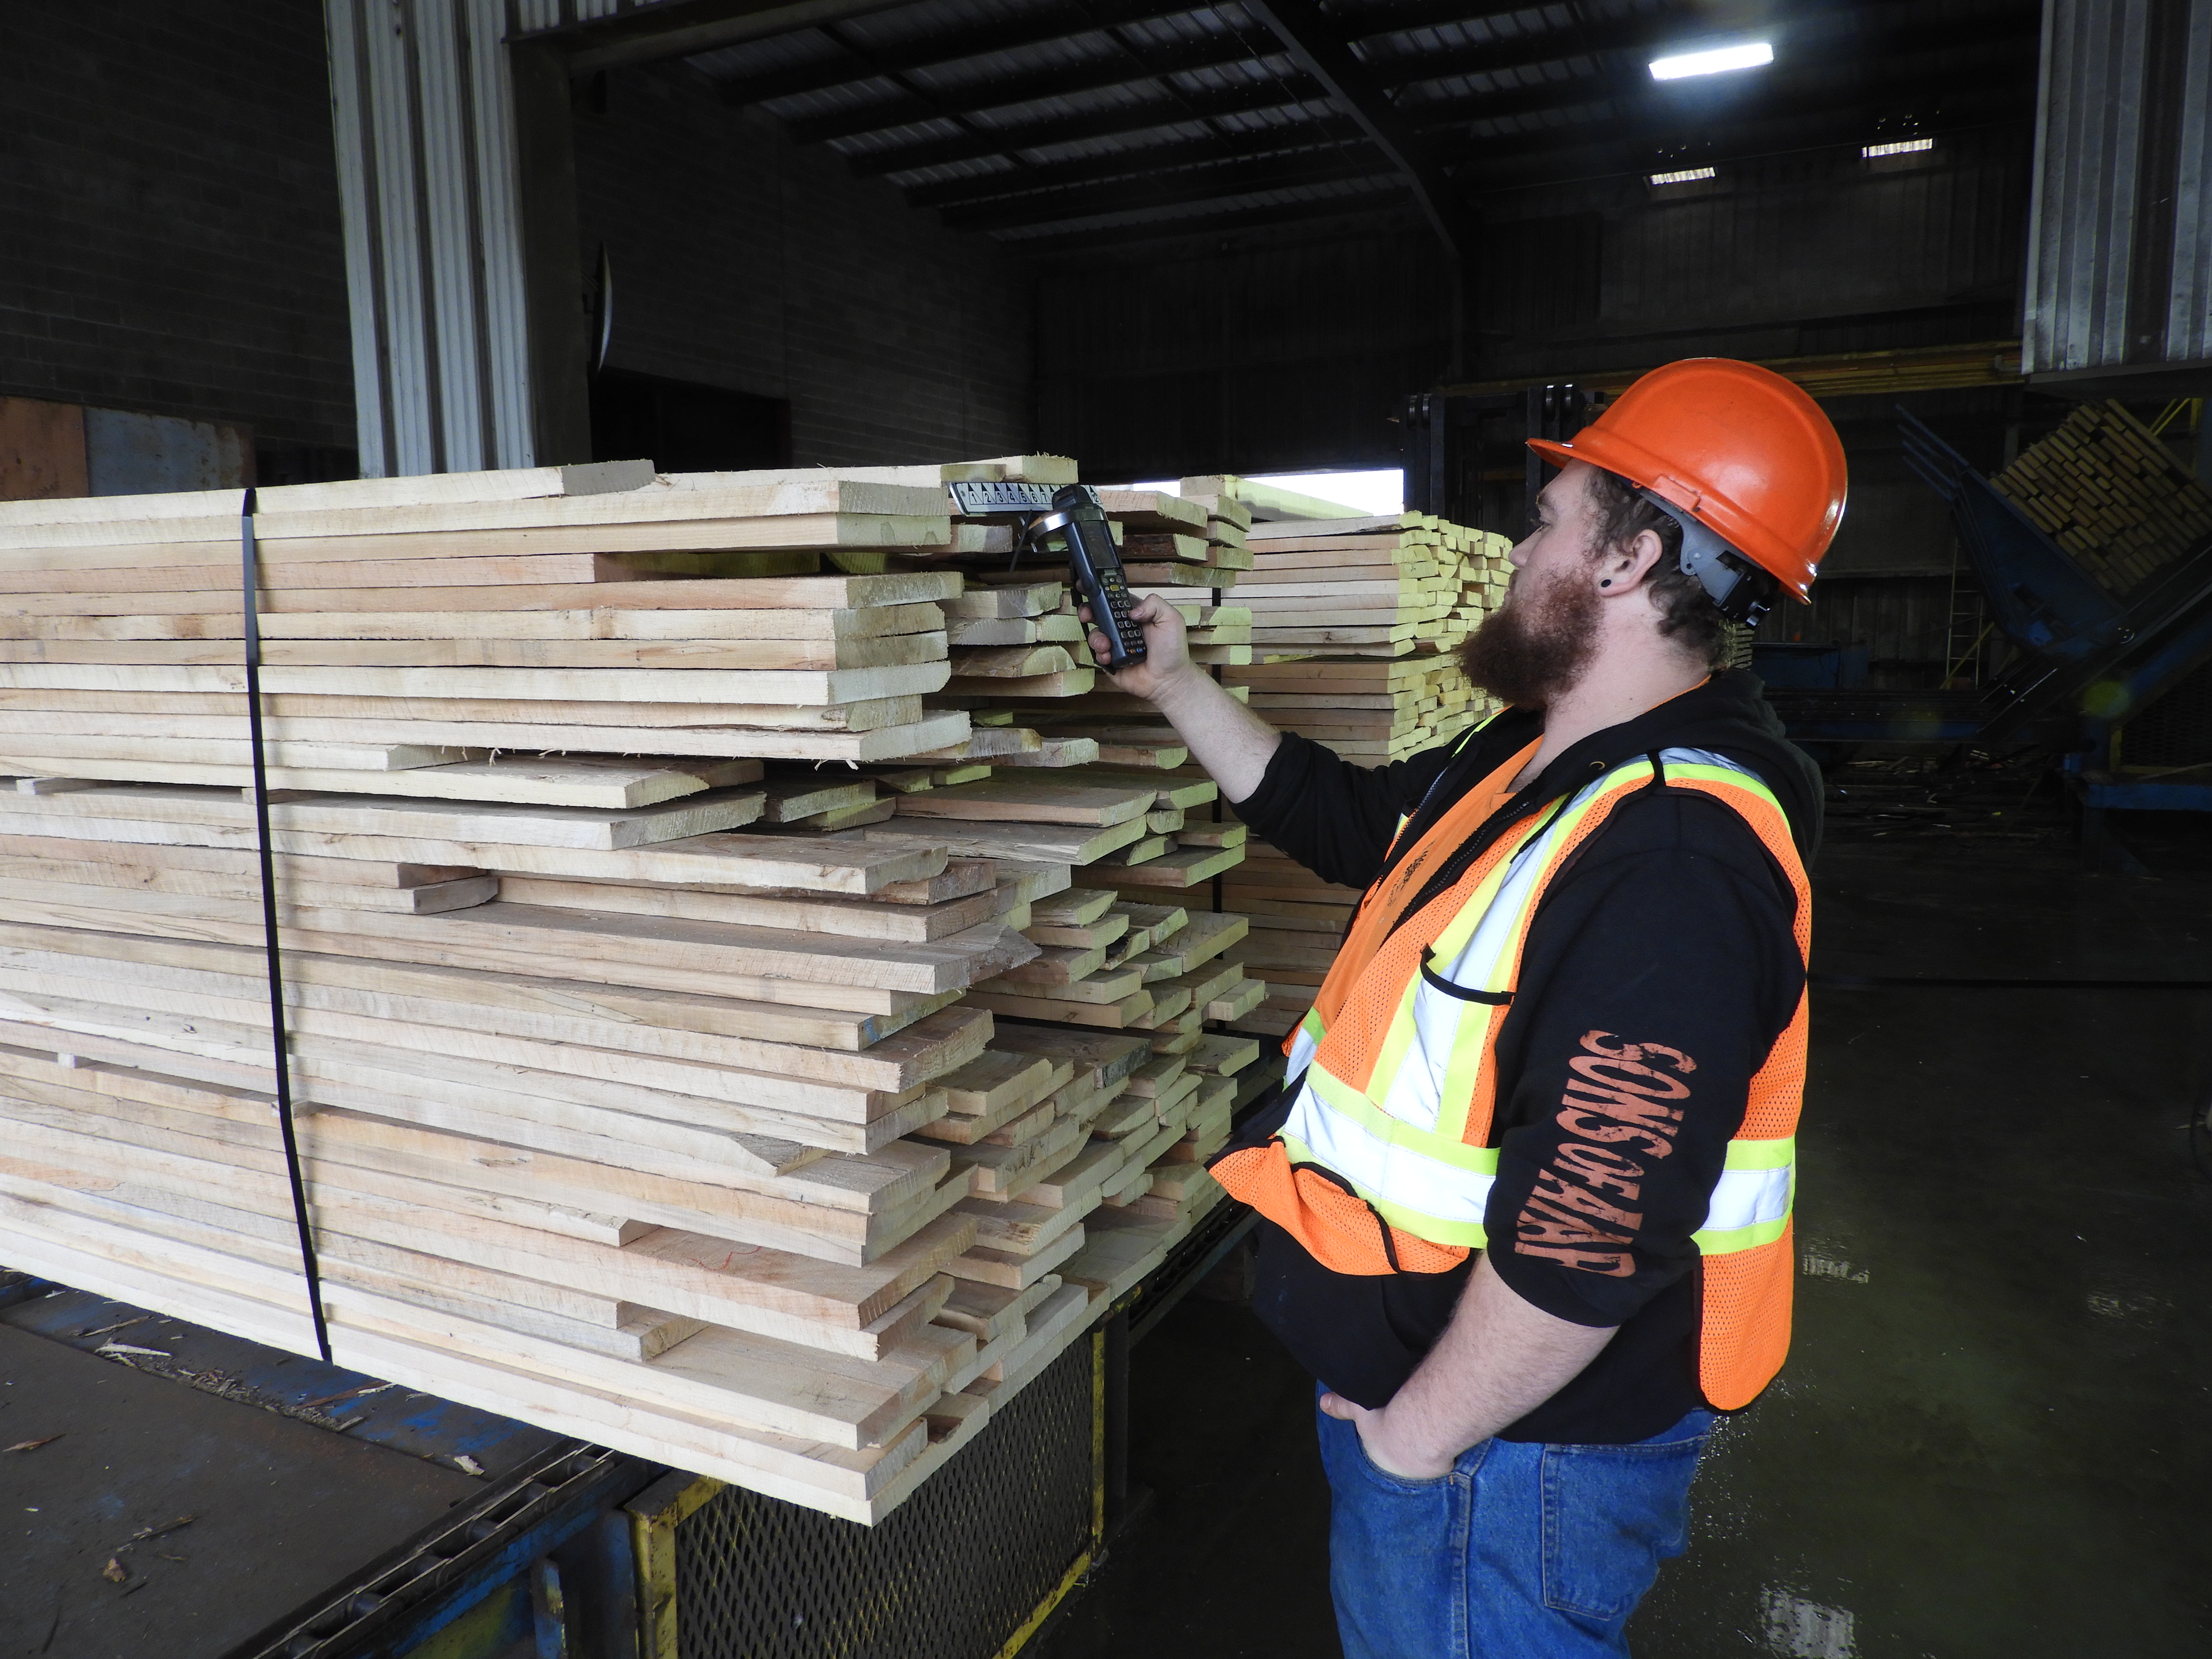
pixel 1167 652
pixel 1228 739
pixel 1380 1436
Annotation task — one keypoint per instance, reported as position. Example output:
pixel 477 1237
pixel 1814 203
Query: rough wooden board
pixel 1187 793
pixel 1037 843
pixel 534 558
pixel 898 923
pixel 796 742
pixel 1024 599
pixel 754 593
pixel 503 484
pixel 601 623
pixel 1109 1059
pixel 1223 1057
pixel 876 1052
pixel 644 951
pixel 988 1312
pixel 1153 510
pixel 1066 683
pixel 1020 662
pixel 426 898
pixel 588 684
pixel 520 826
pixel 553 721
pixel 1035 801
pixel 1012 1272
pixel 203 818
pixel 788 800
pixel 291 542
pixel 1099 934
pixel 1075 907
pixel 1181 868
pixel 364 872
pixel 995 1078
pixel 519 780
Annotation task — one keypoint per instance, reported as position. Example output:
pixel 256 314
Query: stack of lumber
pixel 1018 639
pixel 609 1112
pixel 2112 496
pixel 415 628
pixel 769 1118
pixel 1171 543
pixel 608 1121
pixel 1381 587
pixel 1370 710
pixel 1087 1149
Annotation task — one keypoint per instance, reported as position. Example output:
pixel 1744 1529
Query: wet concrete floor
pixel 1992 1437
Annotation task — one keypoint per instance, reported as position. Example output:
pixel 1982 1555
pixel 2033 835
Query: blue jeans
pixel 1521 1551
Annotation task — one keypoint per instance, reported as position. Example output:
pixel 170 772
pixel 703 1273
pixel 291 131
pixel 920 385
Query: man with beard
pixel 1527 1185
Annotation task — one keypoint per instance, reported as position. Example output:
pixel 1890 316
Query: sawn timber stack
pixel 607 1081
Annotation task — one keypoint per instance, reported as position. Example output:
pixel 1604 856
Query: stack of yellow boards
pixel 1369 586
pixel 641 1095
pixel 2112 494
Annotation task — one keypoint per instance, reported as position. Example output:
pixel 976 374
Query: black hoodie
pixel 1672 925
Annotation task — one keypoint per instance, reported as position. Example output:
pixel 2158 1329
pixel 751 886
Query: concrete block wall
pixel 169 238
pixel 741 261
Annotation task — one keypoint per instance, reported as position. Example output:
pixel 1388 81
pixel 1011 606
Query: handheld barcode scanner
pixel 1072 516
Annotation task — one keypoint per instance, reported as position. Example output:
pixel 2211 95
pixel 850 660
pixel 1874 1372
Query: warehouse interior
pixel 277 243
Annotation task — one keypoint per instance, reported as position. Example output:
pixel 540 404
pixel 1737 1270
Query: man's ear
pixel 1629 565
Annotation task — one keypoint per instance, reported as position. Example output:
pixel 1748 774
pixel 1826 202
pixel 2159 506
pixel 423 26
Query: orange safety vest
pixel 1385 1162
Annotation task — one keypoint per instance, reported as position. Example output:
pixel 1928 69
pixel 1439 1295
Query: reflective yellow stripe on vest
pixel 1401 1144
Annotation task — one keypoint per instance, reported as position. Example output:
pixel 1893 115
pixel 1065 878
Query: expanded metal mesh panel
pixel 951 1575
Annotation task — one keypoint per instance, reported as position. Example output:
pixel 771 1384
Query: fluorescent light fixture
pixel 1902 147
pixel 1687 176
pixel 1715 61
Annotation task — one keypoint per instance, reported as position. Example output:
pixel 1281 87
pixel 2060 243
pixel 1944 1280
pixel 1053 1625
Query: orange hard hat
pixel 1744 452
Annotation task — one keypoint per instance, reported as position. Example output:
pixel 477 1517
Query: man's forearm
pixel 1499 1359
pixel 1229 741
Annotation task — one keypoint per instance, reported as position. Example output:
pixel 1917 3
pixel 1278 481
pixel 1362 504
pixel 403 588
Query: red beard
pixel 1532 650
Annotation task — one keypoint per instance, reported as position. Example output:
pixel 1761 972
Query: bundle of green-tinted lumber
pixel 582 617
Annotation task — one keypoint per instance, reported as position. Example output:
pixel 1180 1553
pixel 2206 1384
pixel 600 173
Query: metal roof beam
pixel 683 28
pixel 1102 124
pixel 1060 23
pixel 1151 161
pixel 1316 45
pixel 1243 178
pixel 1214 53
pixel 1389 196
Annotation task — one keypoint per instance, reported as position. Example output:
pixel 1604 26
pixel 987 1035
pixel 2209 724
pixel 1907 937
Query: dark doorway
pixel 682 426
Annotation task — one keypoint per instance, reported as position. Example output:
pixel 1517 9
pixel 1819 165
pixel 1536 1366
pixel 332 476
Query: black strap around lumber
pixel 250 583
